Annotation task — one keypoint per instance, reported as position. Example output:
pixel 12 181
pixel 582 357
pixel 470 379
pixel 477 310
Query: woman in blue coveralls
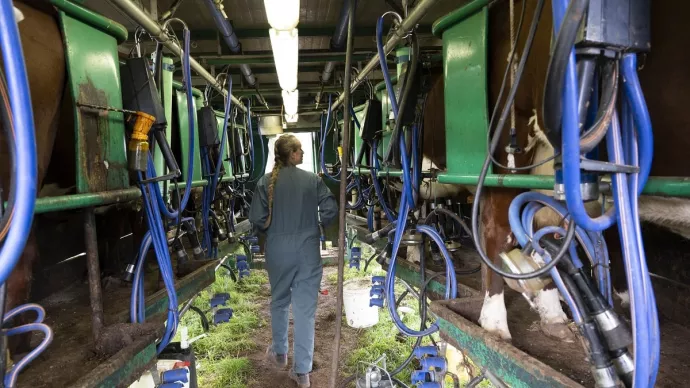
pixel 286 207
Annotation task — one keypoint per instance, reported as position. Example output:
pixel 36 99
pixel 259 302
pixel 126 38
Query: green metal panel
pixel 183 125
pixel 94 78
pixel 100 22
pixel 664 186
pixel 386 112
pixel 512 366
pixel 124 367
pixel 167 74
pixel 220 117
pixel 187 287
pixel 465 72
pixel 457 16
pixel 195 92
pixel 360 111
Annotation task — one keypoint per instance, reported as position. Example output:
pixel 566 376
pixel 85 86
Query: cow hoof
pixel 558 330
pixel 500 334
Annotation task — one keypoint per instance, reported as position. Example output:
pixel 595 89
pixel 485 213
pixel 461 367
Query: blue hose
pixel 377 185
pixel 186 69
pixel 634 106
pixel 451 281
pixel 384 67
pixel 206 204
pixel 323 137
pixel 571 142
pixel 224 139
pixel 642 335
pixel 407 179
pixel 370 218
pixel 137 307
pixel 160 243
pixel 522 229
pixel 13 373
pixel 24 171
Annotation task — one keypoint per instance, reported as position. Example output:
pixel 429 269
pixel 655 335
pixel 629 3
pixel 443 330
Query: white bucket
pixel 356 298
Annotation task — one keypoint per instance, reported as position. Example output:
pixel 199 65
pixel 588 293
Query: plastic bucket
pixel 356 299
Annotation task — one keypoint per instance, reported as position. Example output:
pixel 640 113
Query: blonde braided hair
pixel 284 147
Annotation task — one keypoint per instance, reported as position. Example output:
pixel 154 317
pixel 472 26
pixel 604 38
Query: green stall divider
pixel 465 69
pixel 183 126
pixel 220 117
pixel 168 69
pixel 94 78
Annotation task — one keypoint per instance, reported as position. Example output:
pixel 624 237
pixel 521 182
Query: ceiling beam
pixel 304 31
pixel 275 90
pixel 304 57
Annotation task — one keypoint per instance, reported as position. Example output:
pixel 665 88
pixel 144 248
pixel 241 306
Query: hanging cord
pixel 485 169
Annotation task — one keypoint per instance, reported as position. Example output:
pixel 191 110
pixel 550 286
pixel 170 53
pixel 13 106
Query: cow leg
pixel 553 321
pixel 496 238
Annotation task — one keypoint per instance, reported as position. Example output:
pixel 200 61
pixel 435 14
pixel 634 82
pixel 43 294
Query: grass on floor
pixel 385 338
pixel 218 361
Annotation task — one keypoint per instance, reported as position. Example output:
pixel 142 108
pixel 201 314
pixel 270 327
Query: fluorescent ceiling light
pixel 291 118
pixel 290 101
pixel 282 14
pixel 285 45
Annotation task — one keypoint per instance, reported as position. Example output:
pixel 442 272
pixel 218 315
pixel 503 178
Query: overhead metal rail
pixel 156 31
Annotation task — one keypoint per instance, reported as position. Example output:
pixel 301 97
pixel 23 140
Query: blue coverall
pixel 293 257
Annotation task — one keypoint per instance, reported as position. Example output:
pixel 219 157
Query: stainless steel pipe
pixel 407 24
pixel 156 31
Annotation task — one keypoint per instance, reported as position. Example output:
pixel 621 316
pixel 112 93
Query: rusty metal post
pixel 342 244
pixel 93 266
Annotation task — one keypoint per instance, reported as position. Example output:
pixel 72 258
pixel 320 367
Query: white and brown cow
pixel 664 79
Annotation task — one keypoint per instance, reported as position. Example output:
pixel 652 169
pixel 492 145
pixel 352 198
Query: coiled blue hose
pixel 521 225
pixel 24 171
pixel 13 373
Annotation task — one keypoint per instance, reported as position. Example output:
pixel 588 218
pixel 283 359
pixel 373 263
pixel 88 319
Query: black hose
pixel 585 76
pixel 595 134
pixel 487 162
pixel 8 127
pixel 475 381
pixel 204 321
pixel 394 142
pixel 456 380
pixel 370 259
pixel 555 73
pixel 232 273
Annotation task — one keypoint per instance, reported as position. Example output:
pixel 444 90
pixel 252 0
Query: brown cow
pixel 45 62
pixel 667 113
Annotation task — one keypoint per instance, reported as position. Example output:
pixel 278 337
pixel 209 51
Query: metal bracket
pixel 599 166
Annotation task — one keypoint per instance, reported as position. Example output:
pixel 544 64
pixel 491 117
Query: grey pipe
pixel 156 31
pixel 407 24
pixel 337 42
pixel 228 33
